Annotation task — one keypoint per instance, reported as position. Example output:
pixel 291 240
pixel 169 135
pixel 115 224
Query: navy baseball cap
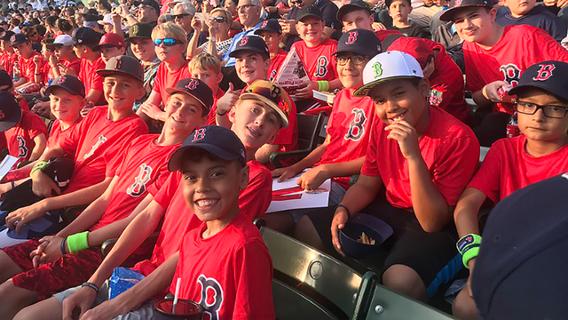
pixel 123 65
pixel 251 43
pixel 550 76
pixel 17 39
pixel 520 272
pixel 270 25
pixel 151 3
pixel 194 88
pixel 10 112
pixel 86 36
pixel 459 6
pixel 5 80
pixel 309 12
pixel 68 83
pixel 218 141
pixel 353 5
pixel 359 41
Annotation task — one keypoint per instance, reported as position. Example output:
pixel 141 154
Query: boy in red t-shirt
pixel 252 112
pixel 271 32
pixel 111 45
pixel 30 72
pixel 207 68
pixel 96 144
pixel 233 283
pixel 495 58
pixel 423 158
pixel 56 259
pixel 26 138
pixel 85 47
pixel 540 152
pixel 343 152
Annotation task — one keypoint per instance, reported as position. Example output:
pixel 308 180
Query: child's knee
pixel 404 279
pixel 464 306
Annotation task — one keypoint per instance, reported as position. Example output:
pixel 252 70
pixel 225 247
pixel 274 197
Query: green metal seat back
pixel 291 303
pixel 327 276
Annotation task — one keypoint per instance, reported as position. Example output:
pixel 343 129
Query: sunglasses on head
pixel 180 16
pixel 168 42
pixel 218 19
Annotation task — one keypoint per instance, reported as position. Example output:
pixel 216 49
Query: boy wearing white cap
pixel 424 158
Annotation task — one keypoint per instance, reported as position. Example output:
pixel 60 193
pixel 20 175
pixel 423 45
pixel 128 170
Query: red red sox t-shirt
pixel 97 142
pixel 143 164
pixel 348 128
pixel 508 167
pixel 20 138
pixel 168 79
pixel 233 283
pixel 520 47
pixel 88 75
pixel 319 62
pixel 27 66
pixel 275 64
pixel 178 219
pixel 450 151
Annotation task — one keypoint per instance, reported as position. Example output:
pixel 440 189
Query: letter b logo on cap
pixel 199 135
pixel 544 72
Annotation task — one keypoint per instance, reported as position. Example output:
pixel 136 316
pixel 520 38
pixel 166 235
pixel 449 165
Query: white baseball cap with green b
pixel 390 65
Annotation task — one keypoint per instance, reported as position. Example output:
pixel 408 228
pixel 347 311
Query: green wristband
pixel 323 85
pixel 469 255
pixel 38 166
pixel 78 241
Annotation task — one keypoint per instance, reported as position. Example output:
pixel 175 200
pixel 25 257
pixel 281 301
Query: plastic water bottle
pixel 16 71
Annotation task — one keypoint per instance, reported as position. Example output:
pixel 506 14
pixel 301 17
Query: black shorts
pixel 432 255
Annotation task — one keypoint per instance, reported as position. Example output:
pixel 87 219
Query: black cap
pixel 140 30
pixel 353 5
pixel 152 4
pixel 10 112
pixel 5 80
pixel 359 41
pixel 123 65
pixel 196 89
pixel 520 272
pixel 68 83
pixel 86 36
pixel 6 35
pixel 17 39
pixel 550 76
pixel 216 140
pixel 459 6
pixel 270 25
pixel 251 43
pixel 309 12
pixel 91 15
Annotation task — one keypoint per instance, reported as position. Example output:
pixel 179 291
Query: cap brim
pixel 107 72
pixel 517 89
pixel 174 90
pixel 310 15
pixel 449 15
pixel 259 31
pixel 234 53
pixel 269 103
pixel 177 157
pixel 11 121
pixel 364 90
pixel 52 87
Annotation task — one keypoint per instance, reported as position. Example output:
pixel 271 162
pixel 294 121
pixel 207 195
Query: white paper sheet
pixel 317 199
pixel 6 165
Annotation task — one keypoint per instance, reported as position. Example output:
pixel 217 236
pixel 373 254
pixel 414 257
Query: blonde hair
pixel 170 29
pixel 204 61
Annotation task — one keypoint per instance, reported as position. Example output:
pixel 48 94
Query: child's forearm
pixel 39 147
pixel 138 230
pixel 312 158
pixel 467 211
pixel 344 169
pixel 76 198
pixel 362 193
pixel 430 208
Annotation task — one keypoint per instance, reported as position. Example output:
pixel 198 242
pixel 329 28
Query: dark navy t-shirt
pixel 538 17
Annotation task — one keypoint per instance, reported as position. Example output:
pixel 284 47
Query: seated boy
pixel 28 80
pixel 271 32
pixel 25 139
pixel 423 157
pixel 232 283
pixel 252 59
pixel 111 45
pixel 443 74
pixel 540 152
pixel 343 152
pixel 56 259
pixel 85 47
pixel 399 10
pixel 315 53
pixel 96 145
pixel 256 107
pixel 527 12
pixel 207 68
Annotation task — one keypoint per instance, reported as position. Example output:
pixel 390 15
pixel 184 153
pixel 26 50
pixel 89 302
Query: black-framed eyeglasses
pixel 181 16
pixel 356 60
pixel 550 111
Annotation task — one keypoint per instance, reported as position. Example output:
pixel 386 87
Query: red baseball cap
pixel 111 40
pixel 421 49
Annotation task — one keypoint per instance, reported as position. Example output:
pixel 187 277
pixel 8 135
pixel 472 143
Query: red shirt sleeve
pixel 370 167
pixel 164 195
pixel 36 125
pixel 487 178
pixel 256 197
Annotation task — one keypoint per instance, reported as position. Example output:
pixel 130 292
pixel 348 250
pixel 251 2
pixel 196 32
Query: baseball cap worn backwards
pixel 461 5
pixel 194 88
pixel 387 66
pixel 271 95
pixel 123 65
pixel 550 76
pixel 218 141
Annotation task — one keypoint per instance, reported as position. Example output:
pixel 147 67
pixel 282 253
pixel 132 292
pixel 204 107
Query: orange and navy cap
pixel 271 95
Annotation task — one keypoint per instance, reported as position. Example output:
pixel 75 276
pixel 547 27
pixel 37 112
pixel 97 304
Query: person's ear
pixel 424 88
pixel 232 114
